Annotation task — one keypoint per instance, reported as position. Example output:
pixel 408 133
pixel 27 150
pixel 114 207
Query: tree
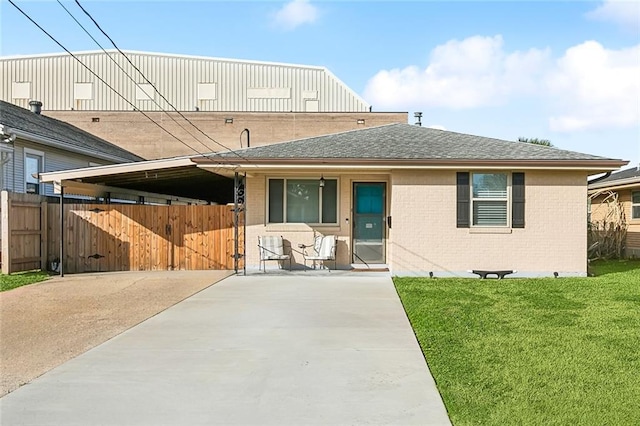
pixel 535 141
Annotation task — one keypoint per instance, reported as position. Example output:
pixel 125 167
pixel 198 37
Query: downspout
pixel 61 230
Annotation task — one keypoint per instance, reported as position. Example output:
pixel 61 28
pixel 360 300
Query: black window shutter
pixel 517 200
pixel 463 200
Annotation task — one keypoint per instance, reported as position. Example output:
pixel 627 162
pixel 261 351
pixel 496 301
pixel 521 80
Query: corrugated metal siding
pixel 52 81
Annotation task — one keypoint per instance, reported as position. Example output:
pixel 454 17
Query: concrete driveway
pixel 297 349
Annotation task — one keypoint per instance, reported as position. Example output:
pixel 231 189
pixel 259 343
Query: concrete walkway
pixel 300 349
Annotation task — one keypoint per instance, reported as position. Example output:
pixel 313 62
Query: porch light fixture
pixel 228 121
pixel 321 181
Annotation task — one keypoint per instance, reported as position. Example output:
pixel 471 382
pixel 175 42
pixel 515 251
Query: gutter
pixel 598 179
pixel 598 165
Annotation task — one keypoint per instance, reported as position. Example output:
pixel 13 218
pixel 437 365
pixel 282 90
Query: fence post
pixel 5 226
pixel 44 235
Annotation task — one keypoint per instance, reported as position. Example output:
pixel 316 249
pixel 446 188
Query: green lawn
pixel 549 351
pixel 8 282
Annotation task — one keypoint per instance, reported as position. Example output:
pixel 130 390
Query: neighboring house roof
pixel 405 143
pixel 49 131
pixel 618 180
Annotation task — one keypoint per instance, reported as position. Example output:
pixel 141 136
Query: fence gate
pixel 117 237
pixel 23 232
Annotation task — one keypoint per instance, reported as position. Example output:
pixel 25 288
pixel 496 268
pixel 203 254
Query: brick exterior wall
pixel 599 211
pixel 424 237
pixel 133 132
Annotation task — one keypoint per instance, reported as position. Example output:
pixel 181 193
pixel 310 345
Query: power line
pixel 154 87
pixel 127 74
pixel 101 79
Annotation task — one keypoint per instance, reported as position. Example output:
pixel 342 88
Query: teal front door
pixel 369 227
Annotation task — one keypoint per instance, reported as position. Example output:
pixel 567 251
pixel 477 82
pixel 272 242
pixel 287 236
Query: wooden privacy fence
pixel 23 231
pixel 119 237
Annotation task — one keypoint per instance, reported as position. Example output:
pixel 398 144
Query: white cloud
pixel 588 87
pixel 461 74
pixel 294 14
pixel 625 13
pixel 437 127
pixel 594 87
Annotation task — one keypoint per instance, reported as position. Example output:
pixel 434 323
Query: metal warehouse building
pixel 273 101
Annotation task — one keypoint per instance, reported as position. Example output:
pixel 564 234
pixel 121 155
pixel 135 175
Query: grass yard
pixel 546 351
pixel 8 282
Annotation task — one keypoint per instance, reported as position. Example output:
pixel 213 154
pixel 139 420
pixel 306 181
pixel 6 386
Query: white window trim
pixel 634 205
pixel 284 202
pixel 472 199
pixel 33 152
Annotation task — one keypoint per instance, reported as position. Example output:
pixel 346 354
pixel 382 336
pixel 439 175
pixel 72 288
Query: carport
pixel 163 214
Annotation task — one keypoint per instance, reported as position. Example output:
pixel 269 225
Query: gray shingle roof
pixel 408 142
pixel 66 134
pixel 633 172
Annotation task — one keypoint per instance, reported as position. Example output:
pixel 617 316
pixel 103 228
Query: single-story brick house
pixel 626 184
pixel 421 200
pixel 418 201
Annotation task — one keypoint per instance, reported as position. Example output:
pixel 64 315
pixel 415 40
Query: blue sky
pixel 564 71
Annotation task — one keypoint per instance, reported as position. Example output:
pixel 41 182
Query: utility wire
pixel 127 74
pixel 154 87
pixel 101 79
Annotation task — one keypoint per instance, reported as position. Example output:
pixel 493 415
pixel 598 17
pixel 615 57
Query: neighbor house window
pixel 635 205
pixel 32 169
pixel 302 201
pixel 490 199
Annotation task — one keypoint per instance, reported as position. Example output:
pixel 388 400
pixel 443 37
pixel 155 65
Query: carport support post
pixel 236 216
pixel 61 265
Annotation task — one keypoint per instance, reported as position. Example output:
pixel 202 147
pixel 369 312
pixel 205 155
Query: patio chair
pixel 272 248
pixel 323 249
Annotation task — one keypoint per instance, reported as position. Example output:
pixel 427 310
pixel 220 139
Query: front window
pixel 302 201
pixel 489 199
pixel 635 205
pixel 32 168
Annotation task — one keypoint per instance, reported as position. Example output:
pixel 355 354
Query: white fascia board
pixel 114 169
pixel 388 167
pixel 93 190
pixel 617 184
pixel 44 140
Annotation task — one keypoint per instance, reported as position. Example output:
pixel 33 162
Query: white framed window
pixel 490 199
pixel 83 91
pixel 33 166
pixel 635 204
pixel 144 92
pixel 302 200
pixel 21 90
